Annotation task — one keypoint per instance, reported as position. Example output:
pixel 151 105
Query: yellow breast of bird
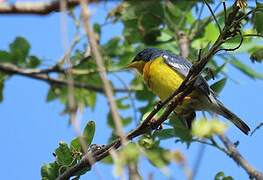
pixel 160 78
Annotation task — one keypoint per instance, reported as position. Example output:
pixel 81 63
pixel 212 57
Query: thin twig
pixel 257 128
pixel 198 161
pixel 13 69
pixel 256 35
pixel 236 156
pixel 129 95
pixel 225 15
pixel 85 14
pixel 211 11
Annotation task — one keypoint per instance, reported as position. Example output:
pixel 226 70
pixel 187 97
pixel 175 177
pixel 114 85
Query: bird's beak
pixel 139 65
pixel 132 65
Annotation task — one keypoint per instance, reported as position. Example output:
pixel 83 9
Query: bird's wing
pixel 181 65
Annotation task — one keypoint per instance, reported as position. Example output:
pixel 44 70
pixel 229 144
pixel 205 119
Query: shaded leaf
pixel 111 124
pixel 19 50
pixel 164 133
pixel 180 130
pixel 219 85
pixel 5 56
pixel 33 62
pixel 257 18
pixel 257 55
pixel 221 176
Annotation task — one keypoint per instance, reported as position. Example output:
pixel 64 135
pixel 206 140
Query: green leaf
pixel 2 84
pixel 120 104
pixel 180 130
pixel 144 94
pixel 19 50
pixel 211 32
pixel 111 124
pixel 164 133
pixel 76 145
pixel 107 160
pixel 257 55
pixel 91 99
pixel 5 56
pixel 112 47
pixel 221 176
pixel 33 62
pixel 89 132
pixel 49 172
pixel 63 154
pixel 51 95
pixel 219 85
pixel 97 28
pixel 158 156
pixel 257 18
pixel 246 69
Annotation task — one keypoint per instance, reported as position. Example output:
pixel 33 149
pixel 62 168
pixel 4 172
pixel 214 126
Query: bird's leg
pixel 186 98
pixel 174 115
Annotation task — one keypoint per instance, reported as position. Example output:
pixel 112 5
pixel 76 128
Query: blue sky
pixel 31 129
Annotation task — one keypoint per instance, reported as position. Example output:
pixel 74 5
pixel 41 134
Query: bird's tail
pixel 222 110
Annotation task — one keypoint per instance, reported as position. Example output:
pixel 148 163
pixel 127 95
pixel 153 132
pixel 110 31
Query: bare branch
pixel 85 14
pixel 12 69
pixel 236 156
pixel 183 42
pixel 37 8
pixel 257 128
pixel 211 11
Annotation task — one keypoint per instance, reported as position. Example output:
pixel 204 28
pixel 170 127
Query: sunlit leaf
pixel 89 132
pixel 63 154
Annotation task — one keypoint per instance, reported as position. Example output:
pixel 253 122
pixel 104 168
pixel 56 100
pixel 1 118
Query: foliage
pixel 69 156
pixel 153 24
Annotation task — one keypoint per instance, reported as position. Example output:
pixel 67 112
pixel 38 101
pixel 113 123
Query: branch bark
pixel 236 156
pixel 85 14
pixel 37 8
pixel 41 8
pixel 37 74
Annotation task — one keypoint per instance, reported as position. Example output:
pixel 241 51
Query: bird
pixel 163 72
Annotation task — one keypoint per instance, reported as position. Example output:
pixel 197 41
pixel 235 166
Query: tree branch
pixel 151 123
pixel 85 15
pixel 37 8
pixel 42 8
pixel 37 74
pixel 236 156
